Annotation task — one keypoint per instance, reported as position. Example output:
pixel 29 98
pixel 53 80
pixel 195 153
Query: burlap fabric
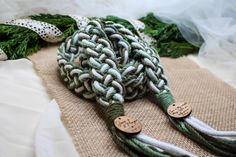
pixel 212 100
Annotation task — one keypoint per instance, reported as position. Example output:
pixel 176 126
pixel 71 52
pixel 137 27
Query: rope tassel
pixel 220 142
pixel 107 62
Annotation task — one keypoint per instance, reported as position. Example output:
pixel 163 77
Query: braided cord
pixel 107 62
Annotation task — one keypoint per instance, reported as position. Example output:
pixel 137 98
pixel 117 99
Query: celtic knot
pixel 106 61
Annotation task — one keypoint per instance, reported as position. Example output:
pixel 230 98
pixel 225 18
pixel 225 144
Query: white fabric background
pixel 25 107
pixel 30 122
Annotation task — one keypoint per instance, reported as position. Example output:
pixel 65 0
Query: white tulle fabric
pixel 210 24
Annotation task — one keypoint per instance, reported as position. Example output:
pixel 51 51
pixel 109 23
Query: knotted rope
pixel 107 62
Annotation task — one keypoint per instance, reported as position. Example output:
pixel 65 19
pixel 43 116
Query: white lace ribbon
pixel 46 31
pixel 137 24
pixel 80 20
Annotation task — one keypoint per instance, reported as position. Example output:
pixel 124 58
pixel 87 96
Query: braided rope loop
pixel 109 63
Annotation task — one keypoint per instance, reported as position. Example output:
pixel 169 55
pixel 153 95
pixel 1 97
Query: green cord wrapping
pixel 115 110
pixel 164 100
pixel 107 62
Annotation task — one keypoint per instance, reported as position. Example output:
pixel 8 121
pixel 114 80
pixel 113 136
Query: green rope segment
pixel 19 42
pixel 121 21
pixel 107 62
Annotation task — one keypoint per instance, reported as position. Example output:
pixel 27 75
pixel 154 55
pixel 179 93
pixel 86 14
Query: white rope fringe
pixel 163 145
pixel 203 127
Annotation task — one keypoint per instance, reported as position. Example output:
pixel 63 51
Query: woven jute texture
pixel 212 100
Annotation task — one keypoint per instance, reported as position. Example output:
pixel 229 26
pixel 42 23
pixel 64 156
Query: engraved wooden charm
pixel 128 125
pixel 179 110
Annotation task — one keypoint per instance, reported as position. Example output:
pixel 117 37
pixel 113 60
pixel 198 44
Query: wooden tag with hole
pixel 128 125
pixel 179 110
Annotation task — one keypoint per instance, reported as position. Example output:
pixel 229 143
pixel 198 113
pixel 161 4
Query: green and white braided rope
pixel 107 62
pixel 131 68
pixel 110 67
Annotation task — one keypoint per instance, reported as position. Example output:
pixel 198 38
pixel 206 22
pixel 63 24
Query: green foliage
pixel 65 23
pixel 19 42
pixel 169 42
